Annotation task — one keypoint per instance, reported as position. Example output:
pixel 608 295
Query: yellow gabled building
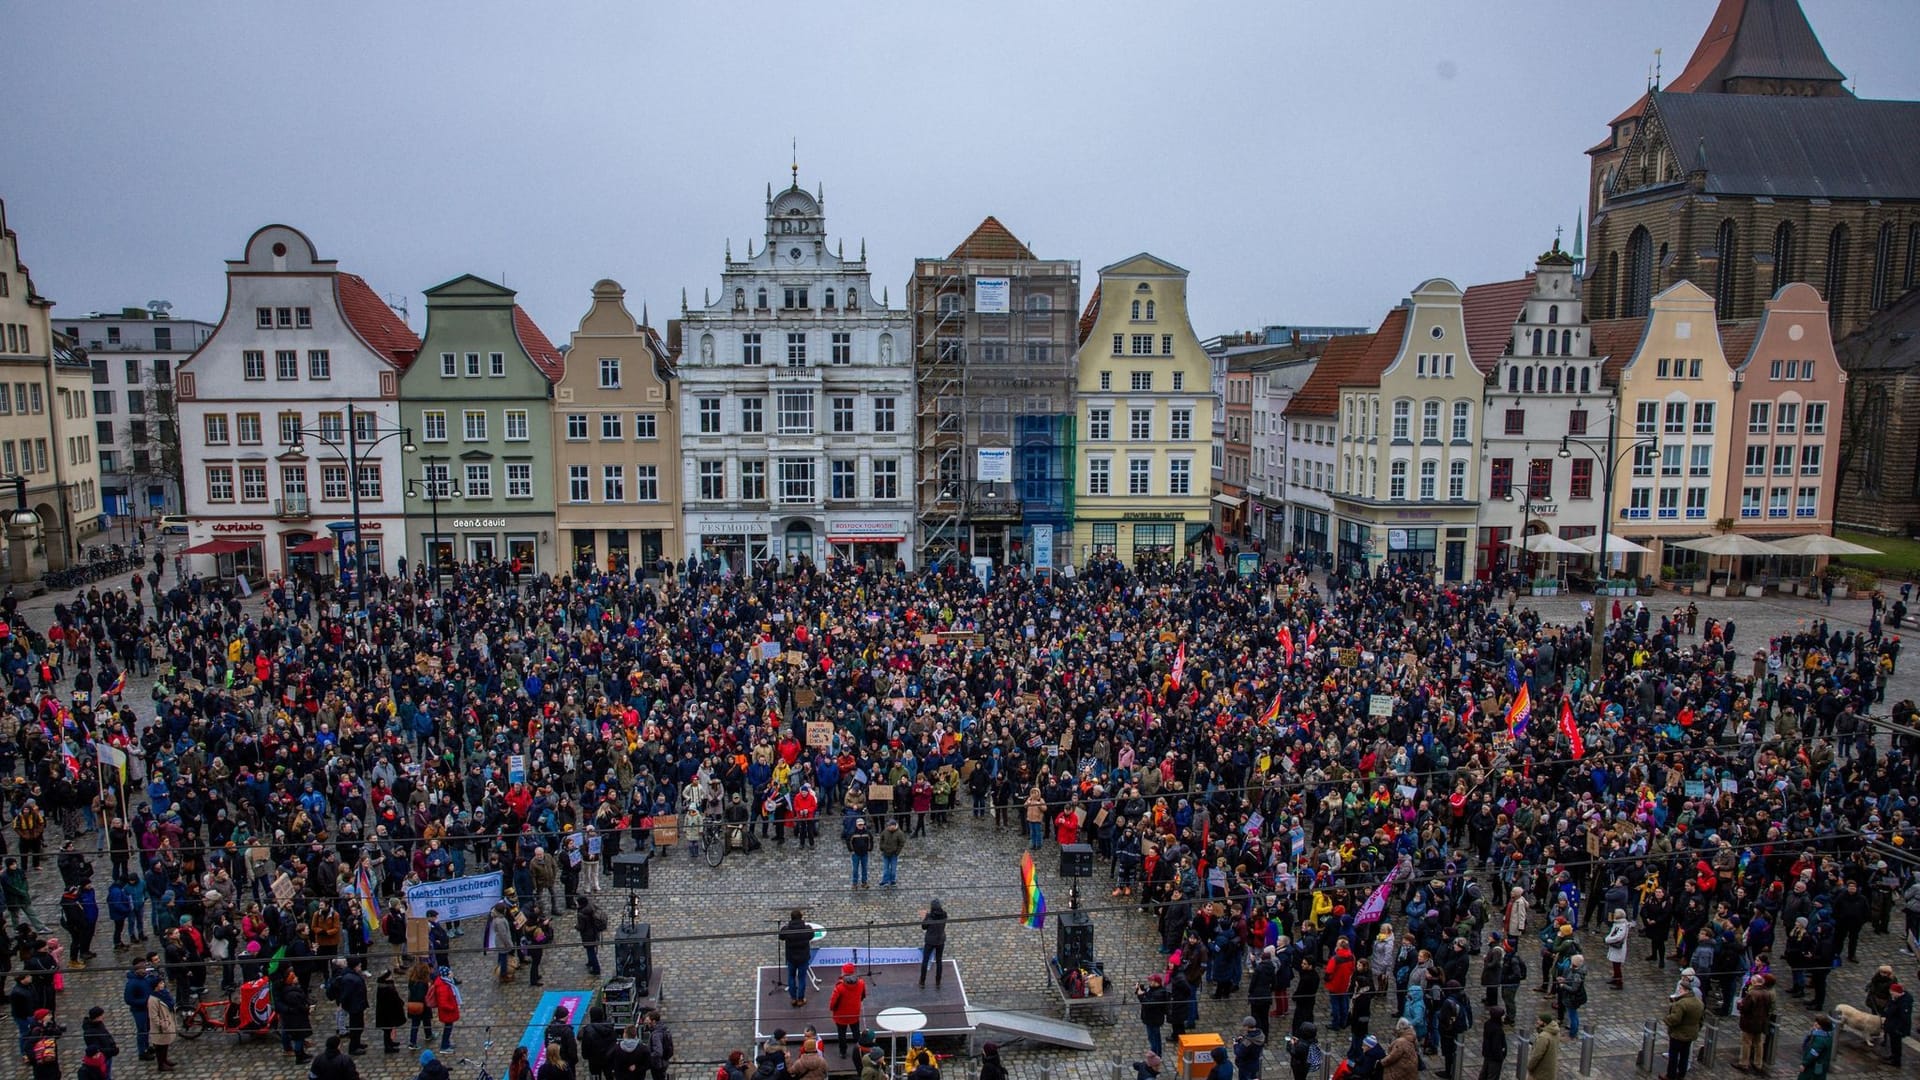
pixel 1142 478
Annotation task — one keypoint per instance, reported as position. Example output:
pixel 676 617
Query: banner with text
pixel 456 898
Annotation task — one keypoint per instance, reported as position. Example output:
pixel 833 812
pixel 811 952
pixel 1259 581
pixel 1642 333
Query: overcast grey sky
pixel 1308 162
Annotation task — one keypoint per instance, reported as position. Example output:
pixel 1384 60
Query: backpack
pixel 1316 1057
pixel 46 1050
pixel 666 1044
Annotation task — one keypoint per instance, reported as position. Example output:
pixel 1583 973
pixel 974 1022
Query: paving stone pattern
pixel 713 927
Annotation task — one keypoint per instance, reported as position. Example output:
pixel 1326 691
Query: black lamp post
pixel 356 453
pixel 1526 517
pixel 1609 455
pixel 436 492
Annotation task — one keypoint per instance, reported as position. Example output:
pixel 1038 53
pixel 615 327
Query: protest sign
pixel 455 898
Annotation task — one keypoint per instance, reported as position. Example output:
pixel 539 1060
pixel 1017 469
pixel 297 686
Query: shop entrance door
pixel 481 549
pixel 799 542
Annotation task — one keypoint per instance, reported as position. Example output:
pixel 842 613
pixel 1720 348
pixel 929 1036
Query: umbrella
pixel 1547 542
pixel 1730 544
pixel 1821 544
pixel 1616 545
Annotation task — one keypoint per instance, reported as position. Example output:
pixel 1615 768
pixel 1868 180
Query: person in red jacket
pixel 1339 983
pixel 443 997
pixel 849 994
pixel 806 807
pixel 1066 827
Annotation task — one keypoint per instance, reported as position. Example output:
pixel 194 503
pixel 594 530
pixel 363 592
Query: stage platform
pixel 888 985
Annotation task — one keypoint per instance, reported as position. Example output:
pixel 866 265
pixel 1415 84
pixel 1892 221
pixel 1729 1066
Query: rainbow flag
pixel 1033 906
pixel 119 685
pixel 369 907
pixel 1518 712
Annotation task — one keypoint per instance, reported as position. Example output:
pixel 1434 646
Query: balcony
pixel 292 508
pixel 790 375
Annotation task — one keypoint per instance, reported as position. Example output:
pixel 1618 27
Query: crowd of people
pixel 1252 757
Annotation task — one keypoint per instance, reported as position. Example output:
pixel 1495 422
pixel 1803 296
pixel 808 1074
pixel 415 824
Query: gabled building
pixel 479 486
pixel 1676 387
pixel 1277 375
pixel 46 427
pixel 616 443
pixel 1146 415
pixel 1545 384
pixel 797 405
pixel 1408 491
pixel 1789 391
pixel 1755 168
pixel 994 337
pixel 301 344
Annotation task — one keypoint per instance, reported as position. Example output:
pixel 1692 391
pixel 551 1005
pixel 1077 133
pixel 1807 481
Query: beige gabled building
pixel 616 442
pixel 46 428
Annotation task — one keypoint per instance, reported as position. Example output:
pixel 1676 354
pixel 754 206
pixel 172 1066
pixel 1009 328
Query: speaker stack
pixel 630 871
pixel 633 955
pixel 1073 943
pixel 1076 860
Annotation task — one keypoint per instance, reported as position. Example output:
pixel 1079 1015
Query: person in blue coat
pixel 120 910
pixel 141 979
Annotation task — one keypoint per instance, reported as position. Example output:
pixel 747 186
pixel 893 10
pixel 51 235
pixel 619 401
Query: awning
pixel 218 547
pixel 319 545
pixel 1228 501
pixel 866 539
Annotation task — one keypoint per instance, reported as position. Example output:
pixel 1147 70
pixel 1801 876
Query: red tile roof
pixel 375 322
pixel 1339 358
pixel 1736 340
pixel 1382 350
pixel 1490 312
pixel 1616 340
pixel 544 355
pixel 1090 315
pixel 991 240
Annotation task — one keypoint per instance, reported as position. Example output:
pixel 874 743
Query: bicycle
pixel 713 838
pixel 480 1067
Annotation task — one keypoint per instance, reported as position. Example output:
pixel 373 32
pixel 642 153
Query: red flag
pixel 1180 664
pixel 1571 730
pixel 1286 642
pixel 1313 633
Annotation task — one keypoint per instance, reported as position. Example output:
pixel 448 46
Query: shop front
pixel 1309 530
pixel 872 541
pixel 1143 538
pixel 486 540
pixel 262 549
pixel 735 543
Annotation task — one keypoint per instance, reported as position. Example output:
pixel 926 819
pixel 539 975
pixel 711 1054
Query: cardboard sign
pixel 805 696
pixel 417 936
pixel 666 832
pixel 820 733
pixel 880 793
pixel 1347 657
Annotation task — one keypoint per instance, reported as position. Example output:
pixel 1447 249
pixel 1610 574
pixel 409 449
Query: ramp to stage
pixel 1004 1026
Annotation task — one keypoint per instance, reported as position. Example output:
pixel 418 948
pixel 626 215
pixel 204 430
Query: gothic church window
pixel 1838 244
pixel 1782 255
pixel 1725 276
pixel 1639 283
pixel 1882 268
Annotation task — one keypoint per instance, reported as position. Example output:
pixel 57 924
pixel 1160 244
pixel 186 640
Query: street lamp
pixel 1526 516
pixel 355 453
pixel 1609 455
pixel 437 491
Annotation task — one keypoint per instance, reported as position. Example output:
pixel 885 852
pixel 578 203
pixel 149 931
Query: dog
pixel 1860 1022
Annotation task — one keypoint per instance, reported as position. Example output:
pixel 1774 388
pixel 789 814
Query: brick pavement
pixel 713 927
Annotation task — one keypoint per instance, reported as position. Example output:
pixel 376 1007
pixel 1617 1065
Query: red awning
pixel 218 547
pixel 866 539
pixel 319 545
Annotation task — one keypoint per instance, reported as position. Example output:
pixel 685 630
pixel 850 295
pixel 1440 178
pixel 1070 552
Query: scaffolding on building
pixel 998 379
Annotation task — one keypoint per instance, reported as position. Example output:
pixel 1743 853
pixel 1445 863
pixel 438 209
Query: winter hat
pixel 847 969
pixel 1896 989
pixel 919 1039
pixel 426 1056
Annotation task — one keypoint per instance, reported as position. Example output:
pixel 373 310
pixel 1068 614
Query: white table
pixel 897 1021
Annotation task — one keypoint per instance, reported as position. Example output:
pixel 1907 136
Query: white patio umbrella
pixel 1822 544
pixel 1539 543
pixel 1616 545
pixel 1730 544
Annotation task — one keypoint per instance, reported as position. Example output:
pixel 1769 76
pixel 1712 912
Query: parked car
pixel 173 525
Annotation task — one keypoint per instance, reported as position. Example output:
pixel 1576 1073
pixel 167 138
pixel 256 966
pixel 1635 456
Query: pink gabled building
pixel 1789 394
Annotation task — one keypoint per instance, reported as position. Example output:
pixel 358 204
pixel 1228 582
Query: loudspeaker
pixel 633 955
pixel 1074 941
pixel 1076 860
pixel 630 871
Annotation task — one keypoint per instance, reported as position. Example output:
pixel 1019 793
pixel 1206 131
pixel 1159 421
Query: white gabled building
pixel 1545 384
pixel 797 405
pixel 299 343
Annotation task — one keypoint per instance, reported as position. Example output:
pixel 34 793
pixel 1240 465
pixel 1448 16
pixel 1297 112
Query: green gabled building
pixel 479 484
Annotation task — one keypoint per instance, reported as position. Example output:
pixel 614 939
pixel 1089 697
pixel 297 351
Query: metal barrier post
pixel 1769 1044
pixel 1647 1061
pixel 1709 1042
pixel 1522 1047
pixel 1586 1053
